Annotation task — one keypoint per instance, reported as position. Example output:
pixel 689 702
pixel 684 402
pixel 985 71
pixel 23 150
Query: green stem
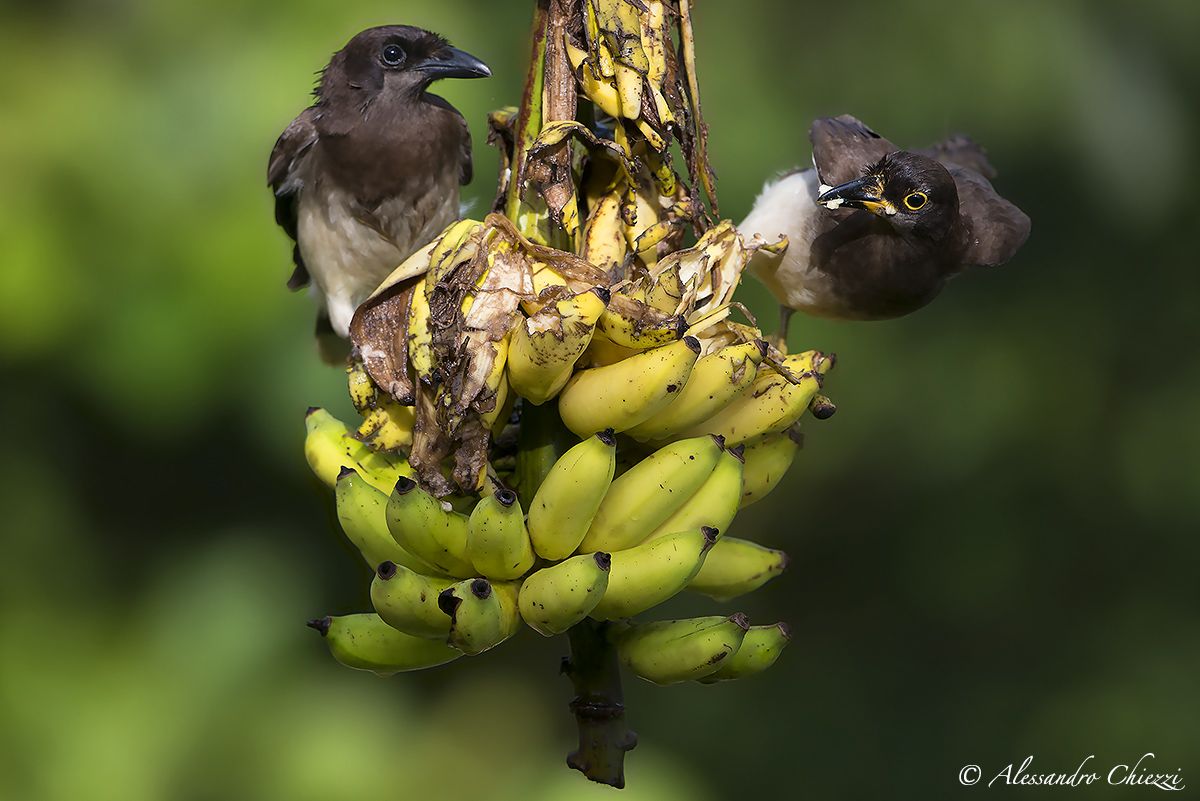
pixel 599 705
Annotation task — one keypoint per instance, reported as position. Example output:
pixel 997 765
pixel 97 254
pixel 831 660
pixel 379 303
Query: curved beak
pixel 450 62
pixel 861 193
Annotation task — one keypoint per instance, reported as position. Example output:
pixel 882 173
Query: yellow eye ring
pixel 915 201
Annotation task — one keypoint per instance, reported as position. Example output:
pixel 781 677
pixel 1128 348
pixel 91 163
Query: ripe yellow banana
pixel 772 404
pixel 767 460
pixel 496 538
pixel 424 528
pixel 570 495
pixel 671 651
pixel 362 388
pixel 329 446
pixel 365 642
pixel 545 347
pixel 603 241
pixel 601 353
pixel 644 576
pixel 735 567
pixel 420 335
pixel 716 501
pixel 621 395
pixel 555 598
pixel 760 649
pixel 482 614
pixel 362 512
pixel 647 494
pixel 595 86
pixel 633 324
pixel 715 381
pixel 407 601
pixel 667 290
pixel 388 426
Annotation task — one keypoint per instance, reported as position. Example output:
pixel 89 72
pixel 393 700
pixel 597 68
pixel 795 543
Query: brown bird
pixel 371 171
pixel 875 232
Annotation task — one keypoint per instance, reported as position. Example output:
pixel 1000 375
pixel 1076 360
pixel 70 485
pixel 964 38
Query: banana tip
pixel 740 620
pixel 310 411
pixel 506 497
pixel 481 589
pixel 386 570
pixel 448 602
pixel 405 485
pixel 692 343
pixel 608 436
pixel 719 439
pixel 346 471
pixel 603 293
pixel 710 536
pixel 738 452
pixel 785 630
pixel 320 625
pixel 603 560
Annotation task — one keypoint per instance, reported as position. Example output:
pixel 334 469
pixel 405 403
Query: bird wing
pixel 843 147
pixel 465 169
pixel 284 177
pixel 998 227
pixel 961 151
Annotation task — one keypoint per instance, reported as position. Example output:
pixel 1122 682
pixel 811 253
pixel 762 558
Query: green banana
pixel 482 614
pixel 621 395
pixel 497 541
pixel 760 649
pixel 772 404
pixel 567 501
pixel 555 598
pixel 715 381
pixel 735 567
pixel 647 494
pixel 329 446
pixel 407 601
pixel 424 528
pixel 365 642
pixel 644 576
pixel 767 460
pixel 546 345
pixel 362 511
pixel 671 651
pixel 714 503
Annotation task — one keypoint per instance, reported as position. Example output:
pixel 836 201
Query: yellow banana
pixel 496 538
pixel 329 446
pixel 407 600
pixel 362 512
pixel 365 642
pixel 362 388
pixel 482 614
pixel 667 290
pixel 767 460
pixel 714 503
pixel 601 353
pixel 632 324
pixel 715 381
pixel 772 404
pixel 644 576
pixel 735 567
pixel 424 528
pixel 596 87
pixel 545 347
pixel 621 395
pixel 761 647
pixel 603 241
pixel 650 492
pixel 570 495
pixel 420 335
pixel 555 598
pixel 671 651
pixel 388 426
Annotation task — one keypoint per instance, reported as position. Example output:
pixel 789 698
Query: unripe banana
pixel 715 381
pixel 481 614
pixel 407 601
pixel 329 446
pixel 424 528
pixel 555 598
pixel 496 538
pixel 772 404
pixel 735 567
pixel 545 347
pixel 647 494
pixel 633 324
pixel 767 460
pixel 760 649
pixel 365 642
pixel 629 392
pixel 643 577
pixel 362 511
pixel 716 501
pixel 671 651
pixel 570 495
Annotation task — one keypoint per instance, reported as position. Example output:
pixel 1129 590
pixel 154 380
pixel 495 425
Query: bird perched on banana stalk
pixel 370 172
pixel 875 232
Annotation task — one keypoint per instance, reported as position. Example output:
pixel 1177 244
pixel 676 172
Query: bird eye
pixel 393 55
pixel 915 201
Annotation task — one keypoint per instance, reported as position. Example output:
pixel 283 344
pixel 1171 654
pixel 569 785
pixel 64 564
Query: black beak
pixel 450 62
pixel 861 193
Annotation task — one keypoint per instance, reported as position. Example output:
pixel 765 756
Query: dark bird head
pixel 912 192
pixel 396 60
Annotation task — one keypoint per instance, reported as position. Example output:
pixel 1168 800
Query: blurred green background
pixel 994 542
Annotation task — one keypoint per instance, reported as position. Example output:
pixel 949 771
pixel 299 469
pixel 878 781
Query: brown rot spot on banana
pixel 386 570
pixel 320 625
pixel 672 387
